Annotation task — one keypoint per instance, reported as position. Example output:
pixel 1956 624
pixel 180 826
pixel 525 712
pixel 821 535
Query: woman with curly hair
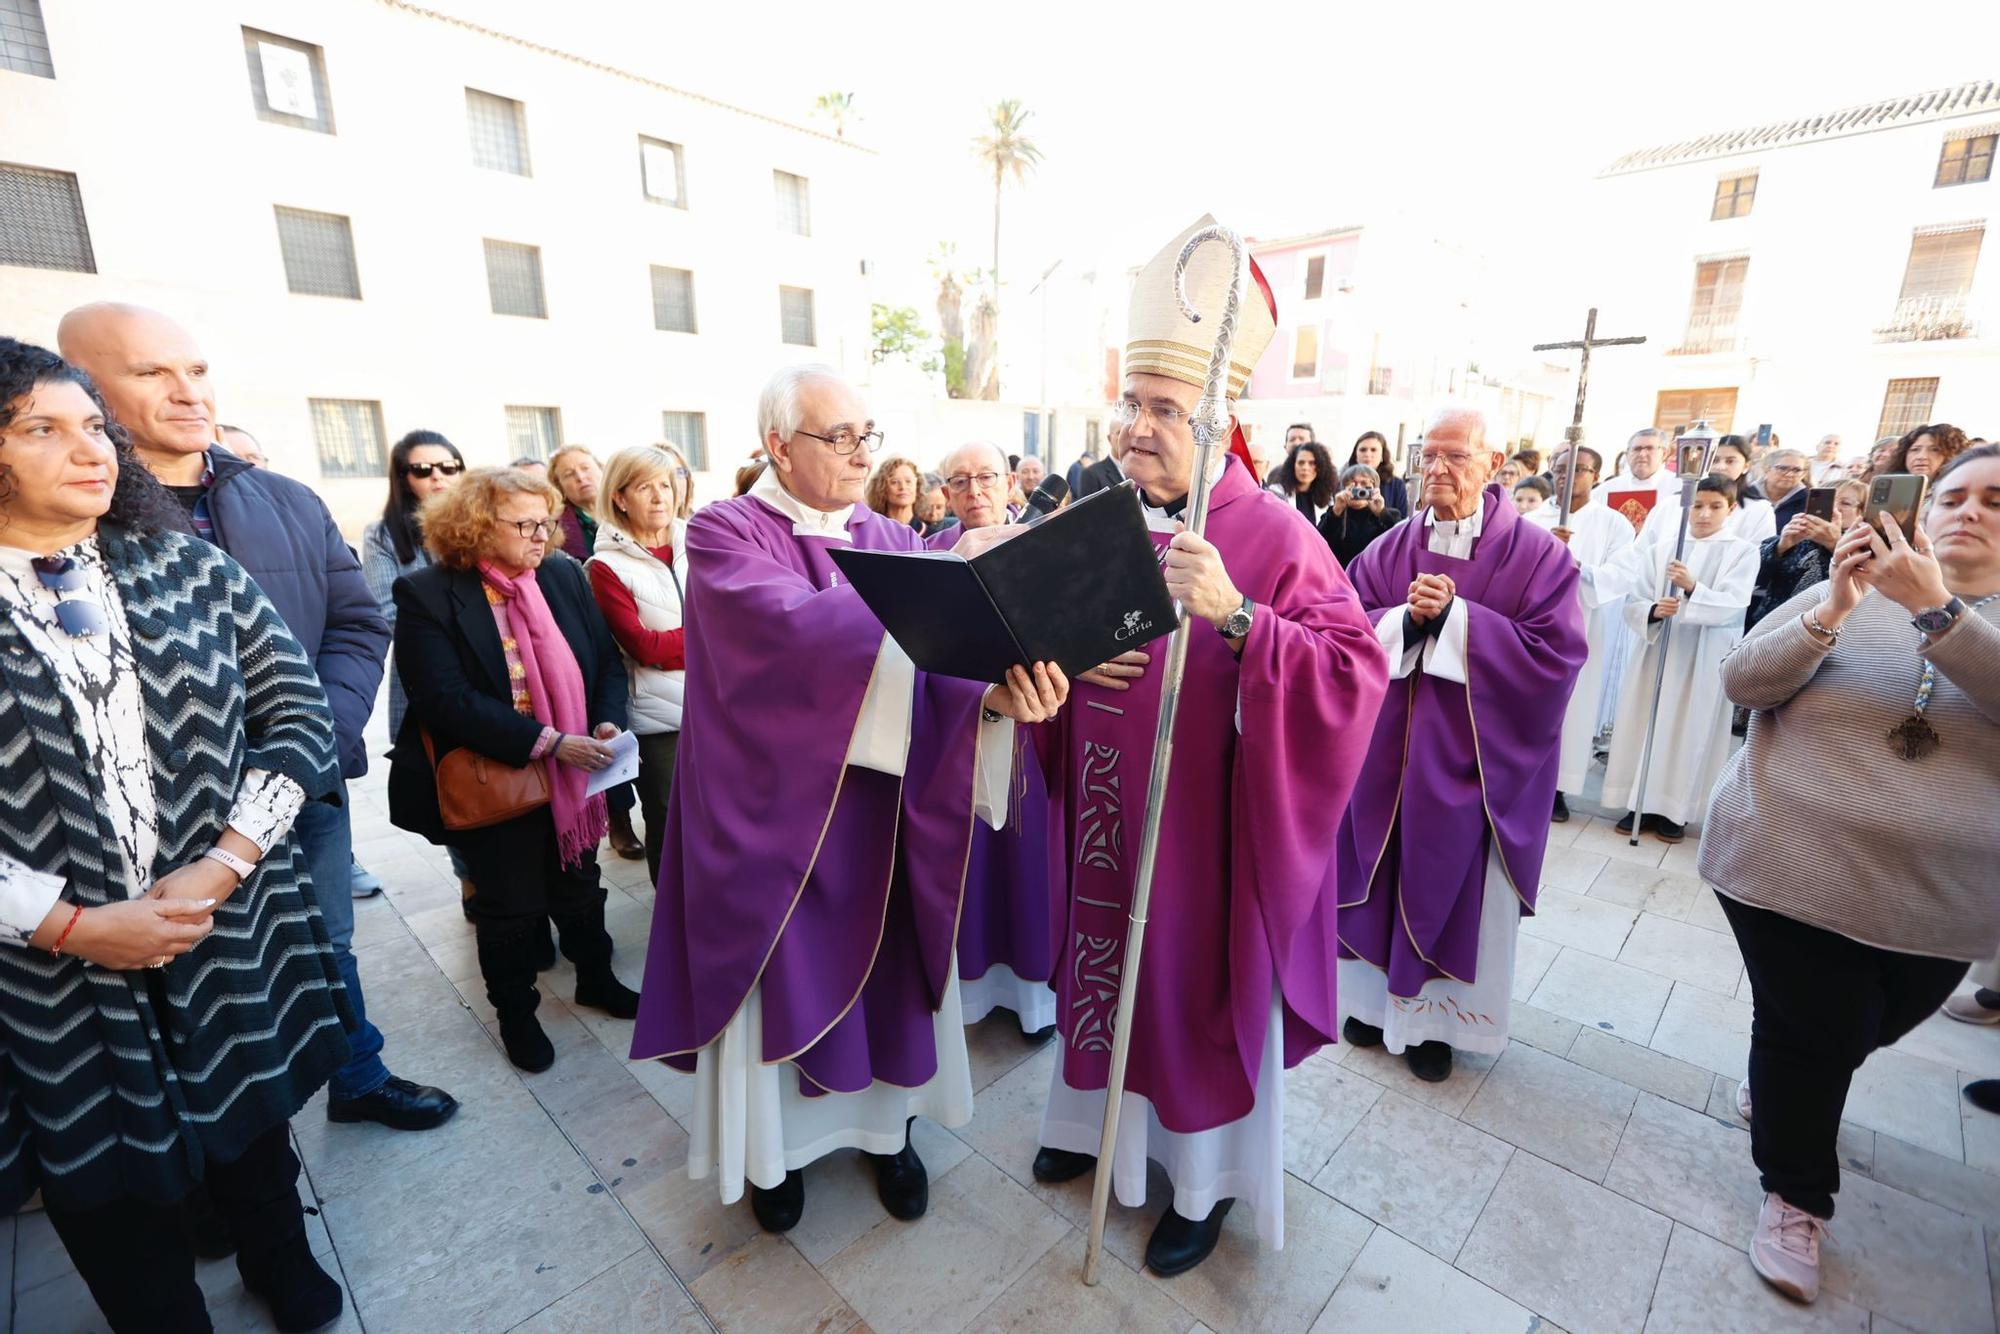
pixel 894 488
pixel 1926 449
pixel 1307 479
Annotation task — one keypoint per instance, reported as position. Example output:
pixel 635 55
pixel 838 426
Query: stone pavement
pixel 1594 1177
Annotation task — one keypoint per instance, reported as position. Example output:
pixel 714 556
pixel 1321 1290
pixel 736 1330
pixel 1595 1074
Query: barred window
pixel 1964 161
pixel 1941 263
pixel 499 131
pixel 662 174
pixel 794 204
pixel 1906 404
pixel 41 220
pixel 348 434
pixel 287 81
pixel 687 432
pixel 24 42
pixel 795 316
pixel 514 279
pixel 319 253
pixel 533 432
pixel 673 300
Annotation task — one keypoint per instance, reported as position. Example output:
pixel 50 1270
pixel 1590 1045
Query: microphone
pixel 1044 502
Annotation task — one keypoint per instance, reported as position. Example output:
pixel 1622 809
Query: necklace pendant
pixel 1914 738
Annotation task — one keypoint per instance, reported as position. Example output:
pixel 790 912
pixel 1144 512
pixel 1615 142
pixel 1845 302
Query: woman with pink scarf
pixel 509 656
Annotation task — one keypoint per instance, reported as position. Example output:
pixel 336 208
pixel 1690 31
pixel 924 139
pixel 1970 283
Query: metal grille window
pixel 673 300
pixel 287 81
pixel 499 131
pixel 24 42
pixel 795 316
pixel 662 175
pixel 687 432
pixel 1906 404
pixel 348 434
pixel 533 432
pixel 1965 161
pixel 1733 197
pixel 319 253
pixel 794 203
pixel 1716 305
pixel 514 279
pixel 41 220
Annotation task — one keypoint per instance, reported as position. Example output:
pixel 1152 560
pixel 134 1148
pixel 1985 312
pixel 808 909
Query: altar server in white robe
pixel 1644 470
pixel 1754 519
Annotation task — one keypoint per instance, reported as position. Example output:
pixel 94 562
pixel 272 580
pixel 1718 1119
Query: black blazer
pixel 454 675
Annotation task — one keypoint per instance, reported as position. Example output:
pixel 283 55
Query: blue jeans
pixel 327 839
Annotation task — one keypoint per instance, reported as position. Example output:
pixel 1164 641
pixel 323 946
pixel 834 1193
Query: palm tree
pixel 1009 153
pixel 838 108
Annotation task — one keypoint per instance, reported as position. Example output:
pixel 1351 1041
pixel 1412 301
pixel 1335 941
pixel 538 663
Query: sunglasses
pixel 426 469
pixel 79 617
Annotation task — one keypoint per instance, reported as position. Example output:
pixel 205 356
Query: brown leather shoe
pixel 623 841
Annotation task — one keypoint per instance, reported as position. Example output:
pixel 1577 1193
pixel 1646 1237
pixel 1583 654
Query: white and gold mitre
pixel 1159 340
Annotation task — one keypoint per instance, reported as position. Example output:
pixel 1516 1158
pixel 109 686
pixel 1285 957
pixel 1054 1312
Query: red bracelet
pixel 56 950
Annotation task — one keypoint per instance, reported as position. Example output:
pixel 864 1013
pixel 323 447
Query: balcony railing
pixel 1708 333
pixel 1921 318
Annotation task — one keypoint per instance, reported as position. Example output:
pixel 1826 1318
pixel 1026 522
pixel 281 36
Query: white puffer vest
pixel 656 695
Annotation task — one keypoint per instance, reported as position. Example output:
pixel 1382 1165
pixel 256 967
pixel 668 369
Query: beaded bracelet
pixel 56 949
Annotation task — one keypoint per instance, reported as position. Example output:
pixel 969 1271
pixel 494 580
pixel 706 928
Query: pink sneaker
pixel 1743 1098
pixel 1785 1248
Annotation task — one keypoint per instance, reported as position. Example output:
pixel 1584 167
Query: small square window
pixel 795 316
pixel 673 300
pixel 318 250
pixel 1733 197
pixel 24 42
pixel 287 81
pixel 687 432
pixel 1315 277
pixel 498 127
pixel 533 432
pixel 794 203
pixel 348 434
pixel 41 221
pixel 662 174
pixel 1966 161
pixel 514 279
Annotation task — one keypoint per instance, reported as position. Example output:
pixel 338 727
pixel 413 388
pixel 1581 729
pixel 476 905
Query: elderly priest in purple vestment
pixel 1284 677
pixel 1441 848
pixel 816 839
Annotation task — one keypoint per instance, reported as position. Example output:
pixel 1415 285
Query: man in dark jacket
pixel 156 382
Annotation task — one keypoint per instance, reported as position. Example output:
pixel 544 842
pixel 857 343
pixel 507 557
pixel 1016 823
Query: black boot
pixel 1357 1034
pixel 206 1231
pixel 1561 815
pixel 545 945
pixel 301 1295
pixel 1058 1165
pixel 901 1180
pixel 507 961
pixel 779 1208
pixel 588 946
pixel 1179 1244
pixel 259 1196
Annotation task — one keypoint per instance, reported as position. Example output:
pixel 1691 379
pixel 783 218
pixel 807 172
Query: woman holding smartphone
pixel 1887 679
pixel 1800 556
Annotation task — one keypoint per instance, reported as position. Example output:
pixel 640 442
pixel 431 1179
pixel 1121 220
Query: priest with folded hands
pixel 801 963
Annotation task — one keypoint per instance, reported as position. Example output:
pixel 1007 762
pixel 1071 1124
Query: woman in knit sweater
pixel 1879 688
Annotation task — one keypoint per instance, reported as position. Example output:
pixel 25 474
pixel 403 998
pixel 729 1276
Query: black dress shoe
pixel 1039 1036
pixel 1561 815
pixel 398 1104
pixel 1357 1034
pixel 1668 832
pixel 301 1295
pixel 779 1208
pixel 1179 1244
pixel 527 1045
pixel 1984 1094
pixel 603 991
pixel 902 1182
pixel 1624 825
pixel 1055 1166
pixel 1430 1061
pixel 623 841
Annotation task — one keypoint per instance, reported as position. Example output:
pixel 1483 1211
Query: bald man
pixel 156 382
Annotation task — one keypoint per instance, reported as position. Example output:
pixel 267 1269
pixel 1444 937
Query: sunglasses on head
pixel 451 469
pixel 79 617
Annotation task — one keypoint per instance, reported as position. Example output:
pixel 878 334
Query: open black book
pixel 1076 589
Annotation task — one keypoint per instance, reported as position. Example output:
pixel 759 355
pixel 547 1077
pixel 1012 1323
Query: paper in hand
pixel 624 766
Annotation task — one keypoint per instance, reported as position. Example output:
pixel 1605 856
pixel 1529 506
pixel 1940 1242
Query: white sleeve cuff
pixel 995 772
pixel 1389 630
pixel 266 805
pixel 26 895
pixel 1444 652
pixel 882 730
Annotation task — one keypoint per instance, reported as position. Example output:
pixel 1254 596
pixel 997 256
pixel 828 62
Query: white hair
pixel 1467 413
pixel 778 410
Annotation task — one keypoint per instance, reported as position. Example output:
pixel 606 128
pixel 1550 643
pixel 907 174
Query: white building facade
pixel 1826 275
pixel 375 218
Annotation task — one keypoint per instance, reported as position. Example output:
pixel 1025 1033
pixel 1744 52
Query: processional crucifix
pixel 1574 435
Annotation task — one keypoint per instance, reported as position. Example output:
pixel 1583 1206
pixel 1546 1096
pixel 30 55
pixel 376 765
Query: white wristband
pixel 235 863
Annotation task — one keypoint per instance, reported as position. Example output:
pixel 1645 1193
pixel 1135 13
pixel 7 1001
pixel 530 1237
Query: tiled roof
pixel 1941 104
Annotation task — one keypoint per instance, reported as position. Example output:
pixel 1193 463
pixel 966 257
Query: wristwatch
pixel 235 863
pixel 1237 623
pixel 1937 620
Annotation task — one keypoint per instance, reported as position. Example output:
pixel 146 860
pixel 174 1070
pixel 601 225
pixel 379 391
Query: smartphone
pixel 1819 502
pixel 1763 439
pixel 1897 493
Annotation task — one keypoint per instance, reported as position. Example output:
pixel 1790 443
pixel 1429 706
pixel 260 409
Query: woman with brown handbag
pixel 514 686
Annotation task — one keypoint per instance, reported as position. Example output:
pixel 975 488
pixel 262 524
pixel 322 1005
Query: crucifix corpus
pixel 1574 435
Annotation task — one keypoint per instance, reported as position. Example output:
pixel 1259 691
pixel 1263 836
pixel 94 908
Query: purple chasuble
pixel 834 888
pixel 1469 763
pixel 1244 889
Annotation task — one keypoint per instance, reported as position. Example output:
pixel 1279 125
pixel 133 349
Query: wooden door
pixel 1676 408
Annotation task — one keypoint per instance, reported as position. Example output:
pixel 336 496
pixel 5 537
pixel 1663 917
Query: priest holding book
pixel 1282 684
pixel 810 882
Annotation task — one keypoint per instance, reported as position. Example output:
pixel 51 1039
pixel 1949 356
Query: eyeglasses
pixel 845 441
pixel 962 483
pixel 1125 412
pixel 79 617
pixel 533 527
pixel 1454 460
pixel 421 470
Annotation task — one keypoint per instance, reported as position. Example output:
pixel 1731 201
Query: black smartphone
pixel 1763 439
pixel 1819 502
pixel 1897 493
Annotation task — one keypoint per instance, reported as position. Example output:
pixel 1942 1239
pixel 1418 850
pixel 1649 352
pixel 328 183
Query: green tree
pixel 1006 151
pixel 898 333
pixel 838 108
